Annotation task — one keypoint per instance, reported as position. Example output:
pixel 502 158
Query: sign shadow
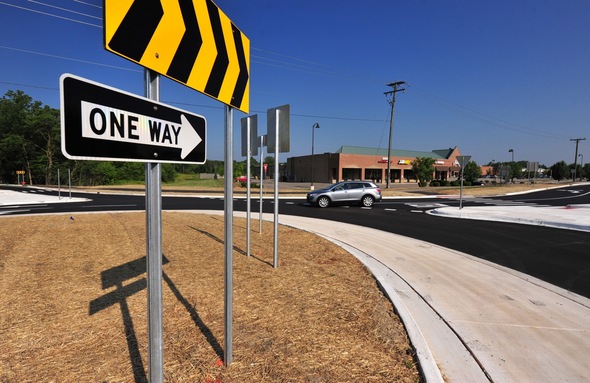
pixel 115 277
pixel 237 249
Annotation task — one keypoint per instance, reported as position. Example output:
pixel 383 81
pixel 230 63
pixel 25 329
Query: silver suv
pixel 363 192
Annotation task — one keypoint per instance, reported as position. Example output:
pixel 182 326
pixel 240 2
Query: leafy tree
pixel 270 160
pixel 423 169
pixel 168 173
pixel 578 168
pixel 29 139
pixel 560 171
pixel 239 168
pixel 472 171
pixel 516 169
pixel 586 171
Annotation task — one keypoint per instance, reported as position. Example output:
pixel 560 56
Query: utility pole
pixel 576 156
pixel 391 99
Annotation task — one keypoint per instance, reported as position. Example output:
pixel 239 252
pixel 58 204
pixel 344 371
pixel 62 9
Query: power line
pixel 50 14
pixel 69 58
pixel 291 63
pixel 89 4
pixel 64 9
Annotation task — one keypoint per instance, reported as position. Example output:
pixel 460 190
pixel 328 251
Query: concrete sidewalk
pixel 469 320
pixel 32 196
pixel 573 217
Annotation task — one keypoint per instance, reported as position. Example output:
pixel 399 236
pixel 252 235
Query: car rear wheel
pixel 367 201
pixel 323 201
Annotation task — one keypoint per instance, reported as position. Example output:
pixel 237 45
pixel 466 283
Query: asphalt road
pixel 557 256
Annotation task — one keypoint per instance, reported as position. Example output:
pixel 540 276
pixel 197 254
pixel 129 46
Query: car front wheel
pixel 367 201
pixel 323 201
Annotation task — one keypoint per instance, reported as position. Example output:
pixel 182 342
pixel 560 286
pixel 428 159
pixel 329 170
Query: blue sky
pixel 486 76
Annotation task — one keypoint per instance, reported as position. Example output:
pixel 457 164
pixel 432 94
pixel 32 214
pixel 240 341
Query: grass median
pixel 73 305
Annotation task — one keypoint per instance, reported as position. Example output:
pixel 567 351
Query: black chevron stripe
pixel 135 31
pixel 188 49
pixel 219 69
pixel 243 77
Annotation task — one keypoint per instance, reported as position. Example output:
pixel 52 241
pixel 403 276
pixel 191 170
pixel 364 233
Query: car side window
pixel 339 188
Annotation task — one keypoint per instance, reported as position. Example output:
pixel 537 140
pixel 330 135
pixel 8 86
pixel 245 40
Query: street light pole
pixel 313 128
pixel 512 162
pixel 396 88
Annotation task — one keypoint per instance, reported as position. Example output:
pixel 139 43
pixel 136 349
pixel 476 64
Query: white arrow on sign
pixel 110 124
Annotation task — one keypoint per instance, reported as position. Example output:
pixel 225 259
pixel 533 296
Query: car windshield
pixel 338 186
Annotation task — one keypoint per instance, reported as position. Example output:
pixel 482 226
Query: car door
pixel 339 193
pixel 355 191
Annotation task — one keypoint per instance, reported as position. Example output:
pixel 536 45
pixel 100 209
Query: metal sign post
pixel 276 193
pixel 262 141
pixel 249 149
pixel 248 208
pixel 228 208
pixel 278 141
pixel 153 204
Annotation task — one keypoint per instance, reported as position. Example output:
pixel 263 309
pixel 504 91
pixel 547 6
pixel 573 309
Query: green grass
pixel 193 180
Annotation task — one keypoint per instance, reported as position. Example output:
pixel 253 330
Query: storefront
pixel 355 163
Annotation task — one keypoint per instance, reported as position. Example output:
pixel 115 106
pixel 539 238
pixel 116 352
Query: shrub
pixel 252 185
pixel 456 183
pixel 435 184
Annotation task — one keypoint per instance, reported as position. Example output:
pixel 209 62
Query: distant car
pixel 242 179
pixel 346 192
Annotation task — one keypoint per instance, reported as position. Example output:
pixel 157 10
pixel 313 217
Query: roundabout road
pixel 466 290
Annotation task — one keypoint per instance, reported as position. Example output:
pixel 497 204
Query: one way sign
pixel 103 123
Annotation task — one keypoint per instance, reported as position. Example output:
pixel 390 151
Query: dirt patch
pixel 73 305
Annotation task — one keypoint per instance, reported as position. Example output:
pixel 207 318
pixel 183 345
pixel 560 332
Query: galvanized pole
pixel 58 185
pixel 248 207
pixel 261 179
pixel 153 204
pixel 228 225
pixel 276 198
pixel 313 128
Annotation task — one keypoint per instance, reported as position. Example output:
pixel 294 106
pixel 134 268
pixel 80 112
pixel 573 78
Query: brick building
pixel 354 162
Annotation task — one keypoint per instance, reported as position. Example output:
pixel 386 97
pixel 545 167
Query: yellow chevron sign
pixel 190 41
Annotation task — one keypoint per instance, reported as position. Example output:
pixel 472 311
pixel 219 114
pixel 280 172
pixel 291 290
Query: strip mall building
pixel 354 163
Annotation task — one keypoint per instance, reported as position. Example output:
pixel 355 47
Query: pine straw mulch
pixel 73 305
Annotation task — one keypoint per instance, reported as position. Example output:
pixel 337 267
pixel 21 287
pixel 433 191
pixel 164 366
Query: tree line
pixel 423 169
pixel 30 141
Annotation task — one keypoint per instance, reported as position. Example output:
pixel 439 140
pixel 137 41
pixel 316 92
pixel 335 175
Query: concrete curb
pixel 426 362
